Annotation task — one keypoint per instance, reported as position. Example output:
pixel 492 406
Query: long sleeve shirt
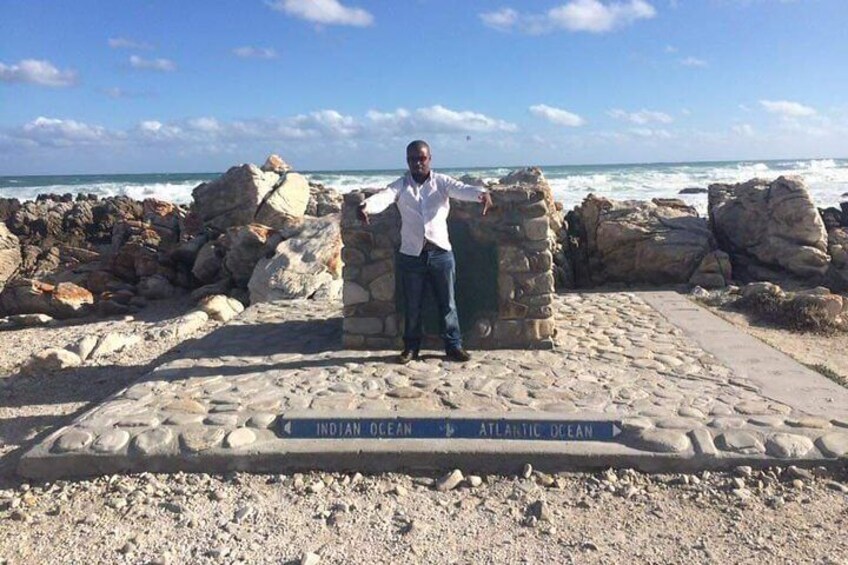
pixel 423 208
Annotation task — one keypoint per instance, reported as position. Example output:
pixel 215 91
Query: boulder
pixel 10 254
pixel 207 266
pixel 51 360
pixel 533 177
pixel 300 265
pixel 164 218
pixel 26 321
pixel 286 202
pixel 113 342
pixel 323 200
pixel 232 199
pixel 659 242
pixel 69 300
pixel 770 230
pixel 244 245
pixel 62 301
pixel 8 207
pixel 156 287
pixel 220 307
pixel 714 271
pixel 274 163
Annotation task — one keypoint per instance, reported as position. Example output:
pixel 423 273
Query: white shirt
pixel 423 208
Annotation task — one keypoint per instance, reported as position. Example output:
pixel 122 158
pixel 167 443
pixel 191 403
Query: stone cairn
pixel 517 227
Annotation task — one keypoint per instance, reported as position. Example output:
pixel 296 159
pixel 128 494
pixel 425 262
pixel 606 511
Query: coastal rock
pixel 221 308
pixel 8 207
pixel 185 253
pixel 51 360
pixel 663 241
pixel 164 219
pixel 274 163
pixel 714 271
pixel 244 245
pixel 286 202
pixel 208 264
pixel 10 254
pixel 300 265
pixel 534 178
pixel 323 200
pixel 156 287
pixel 29 296
pixel 770 230
pixel 232 199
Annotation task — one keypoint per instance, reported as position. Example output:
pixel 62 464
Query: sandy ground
pixel 776 516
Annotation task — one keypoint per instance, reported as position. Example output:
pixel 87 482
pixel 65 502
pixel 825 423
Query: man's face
pixel 418 160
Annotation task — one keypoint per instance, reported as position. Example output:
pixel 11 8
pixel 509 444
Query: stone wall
pixel 505 283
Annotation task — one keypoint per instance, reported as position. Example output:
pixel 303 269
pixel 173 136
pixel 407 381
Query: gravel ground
pixel 774 516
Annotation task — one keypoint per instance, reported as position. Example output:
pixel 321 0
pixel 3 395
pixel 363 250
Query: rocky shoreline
pixel 263 233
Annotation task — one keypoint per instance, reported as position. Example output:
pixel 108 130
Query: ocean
pixel 826 179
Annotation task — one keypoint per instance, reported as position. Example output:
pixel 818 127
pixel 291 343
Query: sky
pixel 139 86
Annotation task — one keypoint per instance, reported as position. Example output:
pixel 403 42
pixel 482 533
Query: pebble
pixel 527 470
pixel 399 490
pixel 474 481
pixel 316 487
pixel 310 558
pixel 449 481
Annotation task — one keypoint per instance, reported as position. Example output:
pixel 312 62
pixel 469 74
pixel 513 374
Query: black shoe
pixel 457 354
pixel 407 355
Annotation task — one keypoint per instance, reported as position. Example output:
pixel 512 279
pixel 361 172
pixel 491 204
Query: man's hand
pixel 363 217
pixel 486 201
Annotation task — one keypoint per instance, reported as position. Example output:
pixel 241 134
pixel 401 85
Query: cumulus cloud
pixel 248 52
pixel 55 132
pixel 557 115
pixel 693 62
pixel 641 117
pixel 324 12
pixel 591 16
pixel 436 119
pixel 743 129
pixel 164 65
pixel 35 71
pixel 787 108
pixel 124 43
pixel 651 133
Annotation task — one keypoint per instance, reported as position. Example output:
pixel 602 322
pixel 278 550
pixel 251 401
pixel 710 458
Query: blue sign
pixel 448 428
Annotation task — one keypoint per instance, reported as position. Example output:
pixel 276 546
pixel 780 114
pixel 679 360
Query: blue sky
pixel 152 86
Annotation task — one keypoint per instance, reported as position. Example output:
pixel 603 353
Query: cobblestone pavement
pixel 616 359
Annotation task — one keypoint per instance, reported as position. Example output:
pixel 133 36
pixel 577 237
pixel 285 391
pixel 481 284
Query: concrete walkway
pixel 643 380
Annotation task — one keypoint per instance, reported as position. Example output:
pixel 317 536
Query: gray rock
pixel 84 346
pixel 241 437
pixel 788 446
pixel 739 441
pixel 113 342
pixel 50 360
pixel 286 201
pixel 111 441
pixel 232 199
pixel 449 481
pixel 10 254
pixel 221 308
pixel 72 440
pixel 154 442
pixel 834 444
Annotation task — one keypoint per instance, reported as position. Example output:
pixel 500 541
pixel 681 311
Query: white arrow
pixel 615 430
pixel 449 429
pixel 287 427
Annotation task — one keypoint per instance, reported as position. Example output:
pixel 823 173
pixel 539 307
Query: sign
pixel 447 428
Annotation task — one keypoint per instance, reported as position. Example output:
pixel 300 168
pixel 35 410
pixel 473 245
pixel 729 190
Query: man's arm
pixel 378 202
pixel 467 192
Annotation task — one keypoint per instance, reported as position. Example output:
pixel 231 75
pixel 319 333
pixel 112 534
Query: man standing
pixel 426 258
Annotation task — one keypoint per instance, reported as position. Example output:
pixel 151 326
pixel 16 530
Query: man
pixel 426 258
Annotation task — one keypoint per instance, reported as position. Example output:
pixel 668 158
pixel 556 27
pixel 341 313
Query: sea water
pixel 826 179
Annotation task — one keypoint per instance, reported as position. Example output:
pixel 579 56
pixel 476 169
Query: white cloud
pixel 124 43
pixel 557 115
pixel 502 19
pixel 787 108
pixel 592 16
pixel 440 118
pixel 205 124
pixel 325 12
pixel 34 71
pixel 62 133
pixel 694 62
pixel 743 129
pixel 641 117
pixel 670 49
pixel 329 122
pixel 248 52
pixel 165 65
pixel 651 133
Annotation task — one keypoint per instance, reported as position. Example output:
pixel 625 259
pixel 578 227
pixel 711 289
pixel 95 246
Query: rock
pixel 474 481
pixel 241 437
pixel 658 242
pixel 539 510
pixel 244 246
pixel 186 252
pixel 323 201
pixel 534 178
pixel 164 218
pixel 449 481
pixel 788 446
pixel 29 296
pixel 300 265
pixel 714 271
pixel 222 286
pixel 69 300
pixel 310 558
pixel 181 327
pixel 207 265
pixel 286 202
pixel 50 360
pixel 232 199
pixel 10 254
pixel 28 320
pixel 156 287
pixel 769 229
pixel 274 163
pixel 220 307
pixel 113 342
pixel 693 190
pixel 84 346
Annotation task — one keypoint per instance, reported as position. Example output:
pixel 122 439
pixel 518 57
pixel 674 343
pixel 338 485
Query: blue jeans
pixel 435 268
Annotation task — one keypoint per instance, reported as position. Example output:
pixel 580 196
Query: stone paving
pixel 616 358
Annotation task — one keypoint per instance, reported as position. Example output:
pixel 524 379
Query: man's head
pixel 418 158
